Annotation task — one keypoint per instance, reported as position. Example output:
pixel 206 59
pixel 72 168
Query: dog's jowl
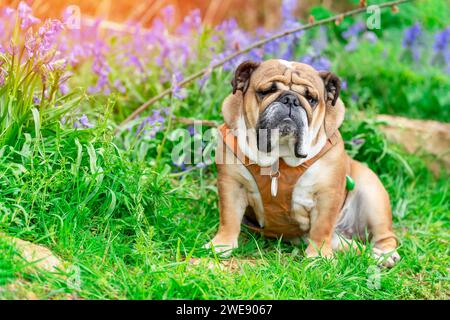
pixel 282 167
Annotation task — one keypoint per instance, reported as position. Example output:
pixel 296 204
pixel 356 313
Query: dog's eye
pixel 265 92
pixel 311 100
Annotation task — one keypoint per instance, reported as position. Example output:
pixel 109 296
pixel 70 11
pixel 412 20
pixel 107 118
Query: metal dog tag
pixel 274 186
pixel 274 175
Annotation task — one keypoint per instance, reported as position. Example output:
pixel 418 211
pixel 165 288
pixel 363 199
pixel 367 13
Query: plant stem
pixel 166 132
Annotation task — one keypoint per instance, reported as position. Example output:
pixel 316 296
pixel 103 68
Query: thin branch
pixel 189 121
pixel 338 17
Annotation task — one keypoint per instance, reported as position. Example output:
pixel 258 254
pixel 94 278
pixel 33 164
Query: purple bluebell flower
pixel 48 33
pixel 321 41
pixel 82 122
pixel 25 14
pixel 7 23
pixel 317 62
pixel 272 48
pixel 100 67
pixel 234 38
pixel 354 30
pixel 285 46
pixel 411 40
pixel 165 111
pixel 118 84
pixel 13 49
pixel 40 43
pixel 289 51
pixel 447 60
pixel 352 44
pixel 411 35
pixel 9 12
pixel 202 81
pixel 352 35
pixel 36 100
pixel 57 65
pixel 181 167
pixel 175 50
pixel 177 91
pixel 23 9
pixel 370 36
pixel 191 130
pixel 151 125
pixel 64 88
pixel 441 40
pixel 227 26
pixel 31 44
pixel 288 9
pixel 256 54
pixel 191 23
pixel 76 52
pixel 344 85
pixel 134 60
pixel 168 13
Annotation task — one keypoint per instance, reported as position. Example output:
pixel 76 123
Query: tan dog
pixel 299 191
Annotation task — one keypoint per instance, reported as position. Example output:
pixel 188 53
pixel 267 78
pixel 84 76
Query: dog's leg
pixel 375 210
pixel 380 227
pixel 232 205
pixel 323 220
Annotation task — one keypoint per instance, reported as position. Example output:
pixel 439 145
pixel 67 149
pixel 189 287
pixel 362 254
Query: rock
pixel 18 291
pixel 38 255
pixel 420 135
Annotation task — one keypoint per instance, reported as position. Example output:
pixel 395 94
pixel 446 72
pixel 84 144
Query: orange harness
pixel 277 209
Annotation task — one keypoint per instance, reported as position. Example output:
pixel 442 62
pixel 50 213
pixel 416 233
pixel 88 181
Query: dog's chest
pixel 303 198
pixel 302 202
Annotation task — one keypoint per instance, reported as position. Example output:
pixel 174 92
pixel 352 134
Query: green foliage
pixel 385 82
pixel 29 94
pixel 132 231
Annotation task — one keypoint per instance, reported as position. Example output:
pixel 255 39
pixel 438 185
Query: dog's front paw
pixel 312 252
pixel 386 258
pixel 222 246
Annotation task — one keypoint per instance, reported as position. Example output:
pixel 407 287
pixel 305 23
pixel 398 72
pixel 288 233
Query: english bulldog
pixel 283 170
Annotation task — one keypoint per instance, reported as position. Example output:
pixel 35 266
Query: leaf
pixel 37 123
pixel 92 158
pixel 76 167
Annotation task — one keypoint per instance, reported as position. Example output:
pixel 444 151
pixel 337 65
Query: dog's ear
pixel 332 86
pixel 232 107
pixel 242 75
pixel 335 109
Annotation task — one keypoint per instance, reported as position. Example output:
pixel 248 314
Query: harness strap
pixel 276 208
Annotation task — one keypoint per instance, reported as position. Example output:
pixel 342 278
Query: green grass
pixel 130 227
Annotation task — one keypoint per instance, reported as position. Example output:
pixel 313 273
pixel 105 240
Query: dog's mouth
pixel 288 127
pixel 280 124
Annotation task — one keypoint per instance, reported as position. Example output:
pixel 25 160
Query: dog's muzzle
pixel 285 116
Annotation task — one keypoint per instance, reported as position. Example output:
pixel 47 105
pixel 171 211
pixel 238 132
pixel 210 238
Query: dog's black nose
pixel 289 99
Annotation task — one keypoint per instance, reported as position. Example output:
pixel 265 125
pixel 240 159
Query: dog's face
pixel 288 103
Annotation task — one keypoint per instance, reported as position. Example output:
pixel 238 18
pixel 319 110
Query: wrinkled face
pixel 286 102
